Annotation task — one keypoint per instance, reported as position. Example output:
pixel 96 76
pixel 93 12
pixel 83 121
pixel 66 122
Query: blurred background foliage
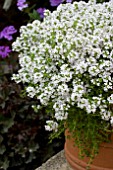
pixel 24 143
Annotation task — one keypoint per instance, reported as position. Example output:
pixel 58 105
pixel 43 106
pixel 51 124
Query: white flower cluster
pixel 68 59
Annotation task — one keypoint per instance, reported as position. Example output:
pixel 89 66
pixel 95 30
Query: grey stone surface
pixel 57 162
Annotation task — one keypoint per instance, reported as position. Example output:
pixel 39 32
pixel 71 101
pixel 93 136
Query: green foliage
pixel 17 134
pixel 86 132
pixel 34 15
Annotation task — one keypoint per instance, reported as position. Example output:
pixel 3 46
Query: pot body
pixel 103 161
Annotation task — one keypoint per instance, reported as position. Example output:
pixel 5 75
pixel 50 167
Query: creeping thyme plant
pixel 66 62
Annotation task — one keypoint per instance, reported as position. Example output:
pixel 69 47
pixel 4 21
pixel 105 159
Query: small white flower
pixel 31 91
pixel 110 99
pixel 111 120
pixel 51 125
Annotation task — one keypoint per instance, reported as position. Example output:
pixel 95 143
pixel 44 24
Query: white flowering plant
pixel 66 63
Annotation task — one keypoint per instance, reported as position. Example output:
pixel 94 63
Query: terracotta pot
pixel 103 161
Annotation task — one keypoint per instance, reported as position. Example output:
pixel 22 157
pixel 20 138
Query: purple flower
pixel 4 51
pixel 55 2
pixel 21 4
pixel 41 12
pixel 68 1
pixel 7 32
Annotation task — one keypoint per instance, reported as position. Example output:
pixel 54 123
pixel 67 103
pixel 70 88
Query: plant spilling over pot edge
pixel 67 64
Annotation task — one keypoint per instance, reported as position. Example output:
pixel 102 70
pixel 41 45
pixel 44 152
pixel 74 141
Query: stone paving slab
pixel 57 162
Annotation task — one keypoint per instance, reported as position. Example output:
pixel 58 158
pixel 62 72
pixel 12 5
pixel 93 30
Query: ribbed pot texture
pixel 103 161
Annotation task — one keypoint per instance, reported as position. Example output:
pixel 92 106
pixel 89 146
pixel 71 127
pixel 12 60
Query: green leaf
pixel 34 15
pixel 1 139
pixel 2 105
pixel 6 125
pixel 5 164
pixel 2 149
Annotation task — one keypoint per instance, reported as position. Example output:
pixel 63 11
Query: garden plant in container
pixel 66 63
